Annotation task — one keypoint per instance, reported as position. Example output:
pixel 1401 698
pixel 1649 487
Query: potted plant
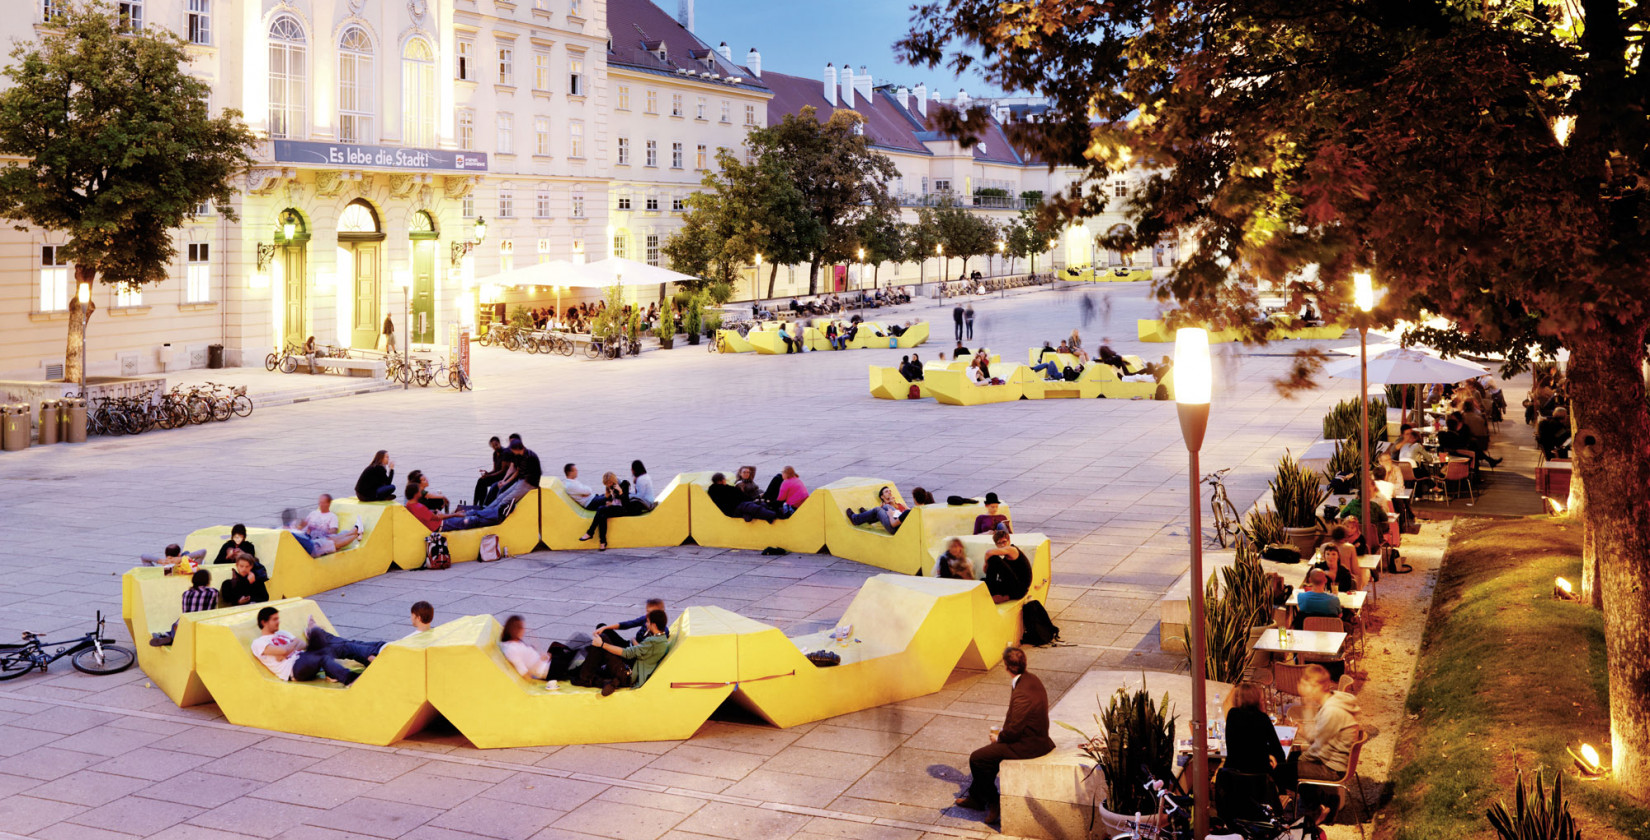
pixel 1135 731
pixel 693 319
pixel 665 331
pixel 1297 493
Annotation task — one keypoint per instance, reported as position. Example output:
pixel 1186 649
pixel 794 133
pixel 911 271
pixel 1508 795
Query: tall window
pixel 466 129
pixel 541 135
pixel 677 205
pixel 652 102
pixel 467 206
pixel 699 109
pixel 355 81
pixel 750 115
pixel 575 75
pixel 506 203
pixel 624 151
pixel 54 279
pixel 541 70
pixel 676 156
pixel 541 204
pixel 506 255
pixel 701 158
pixel 652 153
pixel 288 63
pixel 130 13
pixel 652 203
pixel 418 94
pixel 624 202
pixel 575 7
pixel 506 134
pixel 619 249
pixel 507 65
pixel 653 249
pixel 198 277
pixel 578 205
pixel 465 68
pixel 198 22
pixel 623 98
pixel 575 139
pixel 675 104
pixel 726 109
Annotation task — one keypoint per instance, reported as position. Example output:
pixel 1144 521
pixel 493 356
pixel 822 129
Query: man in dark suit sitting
pixel 1024 735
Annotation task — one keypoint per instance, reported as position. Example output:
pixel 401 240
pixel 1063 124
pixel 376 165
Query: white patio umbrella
pixel 1408 366
pixel 1378 349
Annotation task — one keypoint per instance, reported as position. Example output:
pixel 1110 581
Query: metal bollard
pixel 50 420
pixel 15 428
pixel 74 420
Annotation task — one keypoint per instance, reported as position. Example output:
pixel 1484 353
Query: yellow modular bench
pixel 150 601
pixel 291 569
pixel 1108 275
pixel 908 636
pixel 995 626
pixel 905 551
pixel 475 687
pixel 387 703
pixel 733 342
pixel 803 532
pixel 1156 332
pixel 563 521
pixel 953 387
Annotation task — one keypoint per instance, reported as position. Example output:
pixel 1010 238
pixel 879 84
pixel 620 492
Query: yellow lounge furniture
pixel 1107 275
pixel 954 387
pixel 291 569
pixel 906 551
pixel 150 601
pixel 733 342
pixel 563 521
pixel 299 575
pixel 908 634
pixel 997 626
pixel 802 533
pixel 887 383
pixel 386 704
pixel 1155 331
pixel 475 687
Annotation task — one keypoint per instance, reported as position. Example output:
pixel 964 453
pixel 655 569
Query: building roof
pixel 640 29
pixel 888 124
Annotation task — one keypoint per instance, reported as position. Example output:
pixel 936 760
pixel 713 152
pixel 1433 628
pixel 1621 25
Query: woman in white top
pixel 530 663
pixel 641 488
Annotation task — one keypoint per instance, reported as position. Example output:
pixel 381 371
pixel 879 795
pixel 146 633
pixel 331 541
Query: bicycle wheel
pixel 200 410
pixel 133 422
pixel 241 405
pixel 177 414
pixel 289 364
pixel 14 664
pixel 222 409
pixel 564 345
pixel 457 380
pixel 423 376
pixel 112 660
pixel 271 362
pixel 485 339
pixel 593 349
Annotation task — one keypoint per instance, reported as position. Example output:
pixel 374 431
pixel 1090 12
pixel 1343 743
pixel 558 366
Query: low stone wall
pixel 14 391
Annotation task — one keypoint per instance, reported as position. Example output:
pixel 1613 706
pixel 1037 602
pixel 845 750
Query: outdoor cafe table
pixel 1353 601
pixel 1319 642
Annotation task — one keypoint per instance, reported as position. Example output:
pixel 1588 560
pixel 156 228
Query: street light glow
pixel 1363 291
pixel 1193 378
pixel 481 228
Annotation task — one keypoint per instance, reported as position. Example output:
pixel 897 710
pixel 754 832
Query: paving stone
pixel 619 821
pixel 740 822
pixel 28 814
pixel 498 818
pixel 89 788
pixel 137 815
pixel 371 817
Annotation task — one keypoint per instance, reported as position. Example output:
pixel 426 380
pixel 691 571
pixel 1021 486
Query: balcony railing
pixel 982 202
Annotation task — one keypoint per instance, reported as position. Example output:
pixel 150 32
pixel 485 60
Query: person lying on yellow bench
pixel 302 660
pixel 612 666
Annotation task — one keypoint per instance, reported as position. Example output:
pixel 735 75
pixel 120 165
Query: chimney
pixel 684 14
pixel 862 83
pixel 726 51
pixel 962 100
pixel 847 87
pixel 922 99
pixel 753 61
pixel 830 84
pixel 903 97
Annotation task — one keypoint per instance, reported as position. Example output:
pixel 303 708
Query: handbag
pixel 436 555
pixel 492 549
pixel 823 658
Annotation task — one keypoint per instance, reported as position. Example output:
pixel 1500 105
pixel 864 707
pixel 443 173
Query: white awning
pixel 596 275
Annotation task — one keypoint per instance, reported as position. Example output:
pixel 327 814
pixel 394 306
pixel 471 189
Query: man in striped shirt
pixel 199 597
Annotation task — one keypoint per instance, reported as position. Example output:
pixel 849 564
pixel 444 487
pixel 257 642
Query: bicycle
pixel 89 654
pixel 457 379
pixel 1173 820
pixel 1227 522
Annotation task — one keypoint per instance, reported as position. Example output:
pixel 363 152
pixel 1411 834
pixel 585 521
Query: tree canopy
pixel 1486 162
pixel 117 148
pixel 742 210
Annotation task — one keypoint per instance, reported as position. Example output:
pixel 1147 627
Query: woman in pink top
pixel 792 491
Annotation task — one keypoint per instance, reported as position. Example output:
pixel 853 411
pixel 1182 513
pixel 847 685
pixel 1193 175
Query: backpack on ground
pixel 435 552
pixel 1039 628
pixel 915 392
pixel 492 549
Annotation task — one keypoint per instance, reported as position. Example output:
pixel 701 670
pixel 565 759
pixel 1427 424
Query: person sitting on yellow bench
pixel 295 660
pixel 890 513
pixel 614 666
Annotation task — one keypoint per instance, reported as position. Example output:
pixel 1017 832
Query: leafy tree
pixel 882 237
pixel 841 179
pixel 1486 162
pixel 964 234
pixel 1022 234
pixel 116 148
pixel 741 211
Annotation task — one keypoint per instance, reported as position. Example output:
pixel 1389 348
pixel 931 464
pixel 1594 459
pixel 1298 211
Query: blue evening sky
pixel 797 37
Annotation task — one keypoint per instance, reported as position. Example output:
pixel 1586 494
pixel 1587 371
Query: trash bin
pixel 214 356
pixel 15 428
pixel 74 420
pixel 49 421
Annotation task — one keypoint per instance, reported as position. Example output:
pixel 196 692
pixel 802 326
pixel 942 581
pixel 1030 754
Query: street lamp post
pixel 1363 296
pixel 756 278
pixel 1193 386
pixel 861 284
pixel 404 280
pixel 1052 244
pixel 1002 288
pixel 939 251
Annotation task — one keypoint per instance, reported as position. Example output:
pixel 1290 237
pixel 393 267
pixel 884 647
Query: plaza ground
pixel 84 757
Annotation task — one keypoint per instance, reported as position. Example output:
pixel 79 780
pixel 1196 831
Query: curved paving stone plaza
pixel 85 756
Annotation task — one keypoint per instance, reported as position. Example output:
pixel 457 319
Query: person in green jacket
pixel 613 667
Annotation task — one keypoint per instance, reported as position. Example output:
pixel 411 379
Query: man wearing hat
pixel 989 521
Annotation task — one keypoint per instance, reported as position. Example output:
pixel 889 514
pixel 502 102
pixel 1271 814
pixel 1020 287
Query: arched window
pixel 358 217
pixel 288 74
pixel 418 94
pixel 355 84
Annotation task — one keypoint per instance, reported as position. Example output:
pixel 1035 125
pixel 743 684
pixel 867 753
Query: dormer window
pixel 663 53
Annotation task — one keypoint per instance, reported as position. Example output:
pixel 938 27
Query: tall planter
pixel 1297 493
pixel 1135 731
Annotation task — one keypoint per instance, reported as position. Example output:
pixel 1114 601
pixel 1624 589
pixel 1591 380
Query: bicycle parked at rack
pixel 1173 821
pixel 1228 525
pixel 89 654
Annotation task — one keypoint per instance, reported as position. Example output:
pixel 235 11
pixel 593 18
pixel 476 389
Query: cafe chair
pixel 1460 472
pixel 1347 782
pixel 1286 679
pixel 1327 624
pixel 1241 795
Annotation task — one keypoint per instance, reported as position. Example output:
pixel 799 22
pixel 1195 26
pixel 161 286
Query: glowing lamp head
pixel 939 250
pixel 1588 761
pixel 1563 585
pixel 481 228
pixel 1591 755
pixel 84 293
pixel 1193 378
pixel 759 260
pixel 1053 243
pixel 1363 291
pixel 862 255
pixel 1000 246
pixel 289 227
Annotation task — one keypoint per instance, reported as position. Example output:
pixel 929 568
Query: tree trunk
pixel 813 277
pixel 773 277
pixel 74 355
pixel 1608 402
pixel 1592 593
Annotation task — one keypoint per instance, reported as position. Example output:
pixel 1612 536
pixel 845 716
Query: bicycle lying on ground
pixel 90 654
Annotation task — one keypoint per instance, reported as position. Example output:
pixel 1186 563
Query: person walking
pixel 1024 735
pixel 389 334
pixel 957 316
pixel 968 319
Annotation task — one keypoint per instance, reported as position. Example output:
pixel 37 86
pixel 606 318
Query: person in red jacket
pixel 1024 735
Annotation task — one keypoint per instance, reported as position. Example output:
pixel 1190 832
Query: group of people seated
pixel 247 582
pixel 514 473
pixel 1007 569
pixel 608 661
pixel 840 334
pixel 1256 768
pixel 617 498
pixel 1048 361
pixel 744 500
pixel 318 653
pixel 891 513
pixel 910 367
